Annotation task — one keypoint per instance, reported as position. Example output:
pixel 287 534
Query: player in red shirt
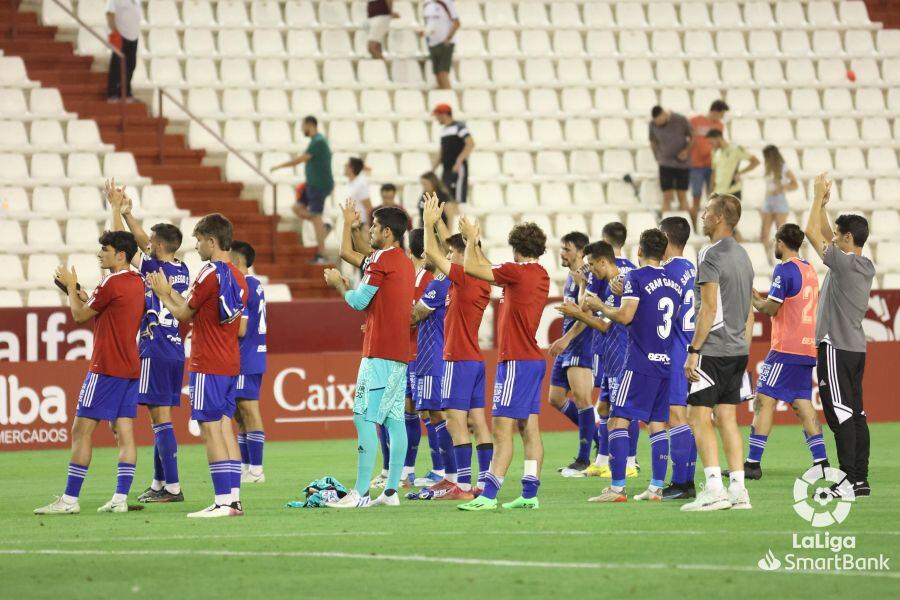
pixel 214 303
pixel 521 364
pixel 386 295
pixel 110 390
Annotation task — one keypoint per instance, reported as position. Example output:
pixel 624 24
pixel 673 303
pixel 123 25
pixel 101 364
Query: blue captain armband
pixel 359 298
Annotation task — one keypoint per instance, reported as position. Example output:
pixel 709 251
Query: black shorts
pixel 720 379
pixel 673 178
pixel 457 183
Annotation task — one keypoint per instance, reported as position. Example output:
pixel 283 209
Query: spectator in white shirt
pixel 441 24
pixel 358 188
pixel 124 20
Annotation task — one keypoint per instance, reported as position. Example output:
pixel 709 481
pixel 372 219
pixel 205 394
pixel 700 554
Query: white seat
pixel 13 169
pixel 869 100
pixel 469 13
pixel 299 13
pixel 336 42
pixel 574 100
pixel 198 13
pixel 14 203
pixel 853 13
pixel 12 72
pixel 232 13
pixel 48 298
pixel 546 131
pixel 850 159
pixel 266 13
pixel 11 272
pixel 87 267
pixel 816 160
pixel 415 162
pixel 378 132
pixel 497 227
pixel 11 239
pixel 703 72
pixel 836 100
pixel 519 164
pixel 12 103
pixel 278 292
pixel 233 42
pixel 572 71
pixel 888 255
pixel 162 12
pixel 502 41
pixel 506 71
pixel 856 193
pixel 511 102
pixel 555 195
pixel 344 133
pixel 47 102
pixel 165 71
pixel 532 14
pixel 617 162
pixel 762 42
pixel 890 66
pixel 539 71
pixel 85 201
pixel 83 134
pixel 341 102
pixel 830 71
pixel 197 42
pixel 811 131
pixel 826 42
pixel 636 71
pixel 888 41
pixel 615 131
pixel 411 132
pixel 44 234
pixel 670 71
pixel 565 14
pixel 758 14
pixel 887 190
pixel 612 101
pixel 821 13
pixel 843 129
pixel 584 162
pixel 876 129
pixel 551 162
pixel 665 43
pixel 745 131
pixel 579 131
pixel 275 134
pixel 49 167
pixel 269 72
pixel 14 138
pixel 377 102
pixel 736 72
pixel 742 100
pixel 767 71
pixel 567 43
pixel 205 102
pixel 630 15
pixel 600 42
pixel 866 70
pixel 521 196
pixel 789 14
pixel 777 131
pixel 49 202
pixel 727 14
pixel 266 44
pixel 730 43
pixel 698 43
pixel 81 234
pixel 122 166
pixel 633 43
pixel 694 15
pixel 499 13
pixel 511 131
pixel 306 102
pixel 10 299
pixel 371 71
pixel 200 72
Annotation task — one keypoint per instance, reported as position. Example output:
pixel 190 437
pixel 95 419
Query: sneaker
pixel 569 466
pixel 740 499
pixel 163 495
pixel 237 509
pixel 409 481
pixel 479 503
pixel 379 482
pixel 248 477
pixel 521 502
pixel 59 507
pixel 441 488
pixel 632 472
pixel 598 471
pixel 351 500
pixel 610 495
pixel 114 507
pixel 708 500
pixel 385 500
pixel 679 491
pixel 651 494
pixel 752 470
pixel 477 491
pixel 574 469
pixel 214 511
pixel 455 493
pixel 430 479
pixel 862 488
pixel 148 495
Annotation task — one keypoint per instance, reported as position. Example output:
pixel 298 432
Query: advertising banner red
pixel 310 397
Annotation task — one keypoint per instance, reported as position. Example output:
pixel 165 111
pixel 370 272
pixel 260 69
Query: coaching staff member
pixel 843 302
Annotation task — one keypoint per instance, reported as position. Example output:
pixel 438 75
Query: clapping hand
pixel 334 278
pixel 351 215
pixel 468 229
pixel 159 283
pixel 822 188
pixel 67 277
pixel 432 210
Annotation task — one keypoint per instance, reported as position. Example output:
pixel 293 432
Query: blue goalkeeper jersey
pixel 159 337
pixel 253 344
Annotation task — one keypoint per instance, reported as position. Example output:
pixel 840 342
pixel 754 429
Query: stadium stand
pixel 557 95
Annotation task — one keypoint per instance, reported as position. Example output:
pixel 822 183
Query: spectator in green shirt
pixel 727 158
pixel 319 183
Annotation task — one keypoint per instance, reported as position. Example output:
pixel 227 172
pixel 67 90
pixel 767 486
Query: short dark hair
pixel 457 242
pixel 856 226
pixel 356 165
pixel 216 225
pixel 169 235
pixel 718 106
pixel 528 240
pixel 245 250
pixel 653 244
pixel 615 233
pixel 388 187
pixel 576 238
pixel 394 218
pixel 598 250
pixel 713 133
pixel 311 120
pixel 677 229
pixel 656 111
pixel 791 235
pixel 417 242
pixel 120 241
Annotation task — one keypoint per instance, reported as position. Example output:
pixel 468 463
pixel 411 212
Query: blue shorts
pixel 597 370
pixel 314 199
pixel 700 176
pixel 212 396
pixel 785 382
pixel 428 392
pixel 564 361
pixel 642 398
pixel 160 382
pixel 411 380
pixel 609 387
pixel 678 389
pixel 247 386
pixel 463 385
pixel 517 388
pixel 107 398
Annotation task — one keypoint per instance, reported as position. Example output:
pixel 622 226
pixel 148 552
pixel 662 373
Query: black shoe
pixel 861 488
pixel 164 495
pixel 574 462
pixel 679 491
pixel 238 506
pixel 575 466
pixel 149 495
pixel 824 464
pixel 752 470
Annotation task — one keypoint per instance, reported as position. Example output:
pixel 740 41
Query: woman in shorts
pixel 779 180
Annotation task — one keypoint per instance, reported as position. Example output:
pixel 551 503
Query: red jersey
pixel 119 298
pixel 466 301
pixel 423 278
pixel 388 314
pixel 701 151
pixel 525 289
pixel 214 347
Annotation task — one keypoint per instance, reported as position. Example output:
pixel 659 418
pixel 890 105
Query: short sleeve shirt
pixel 727 264
pixel 128 17
pixel 388 313
pixel 439 16
pixel 119 300
pixel 160 332
pixel 253 345
pixel 453 140
pixel 358 191
pixel 725 164
pixel 430 352
pixel 844 300
pixel 318 167
pixel 650 331
pixel 214 347
pixel 526 286
pixel 466 301
pixel 423 278
pixel 701 151
pixel 670 139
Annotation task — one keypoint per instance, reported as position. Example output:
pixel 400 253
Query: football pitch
pixel 423 547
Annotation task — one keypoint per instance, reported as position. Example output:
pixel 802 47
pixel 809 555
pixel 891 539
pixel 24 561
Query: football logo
pixel 823 505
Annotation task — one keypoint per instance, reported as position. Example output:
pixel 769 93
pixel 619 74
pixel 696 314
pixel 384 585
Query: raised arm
pixel 472 262
pixel 121 206
pixel 349 252
pixel 818 227
pixel 431 215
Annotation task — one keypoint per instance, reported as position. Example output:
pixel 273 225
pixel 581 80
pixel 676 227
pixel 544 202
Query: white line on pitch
pixel 311 419
pixel 445 560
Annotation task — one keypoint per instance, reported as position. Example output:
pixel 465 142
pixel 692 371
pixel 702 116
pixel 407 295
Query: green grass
pixel 623 550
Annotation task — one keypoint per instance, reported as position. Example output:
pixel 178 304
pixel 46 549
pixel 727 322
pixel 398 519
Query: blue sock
pixel 492 485
pixel 692 460
pixel 530 485
pixel 757 447
pixel 603 437
pixel 680 442
pixel 618 455
pixel 221 479
pixel 485 454
pixel 413 437
pixel 659 457
pixel 167 449
pixel 75 479
pixel 570 410
pixel 445 443
pixel 634 433
pixel 816 445
pixel 242 445
pixel 385 440
pixel 437 462
pixel 256 440
pixel 586 428
pixel 158 473
pixel 125 477
pixel 462 455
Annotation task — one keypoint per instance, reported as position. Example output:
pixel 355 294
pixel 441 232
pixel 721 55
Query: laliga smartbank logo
pixel 823 497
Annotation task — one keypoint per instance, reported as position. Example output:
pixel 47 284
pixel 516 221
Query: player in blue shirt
pixel 160 345
pixel 572 368
pixel 683 448
pixel 252 343
pixel 650 305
